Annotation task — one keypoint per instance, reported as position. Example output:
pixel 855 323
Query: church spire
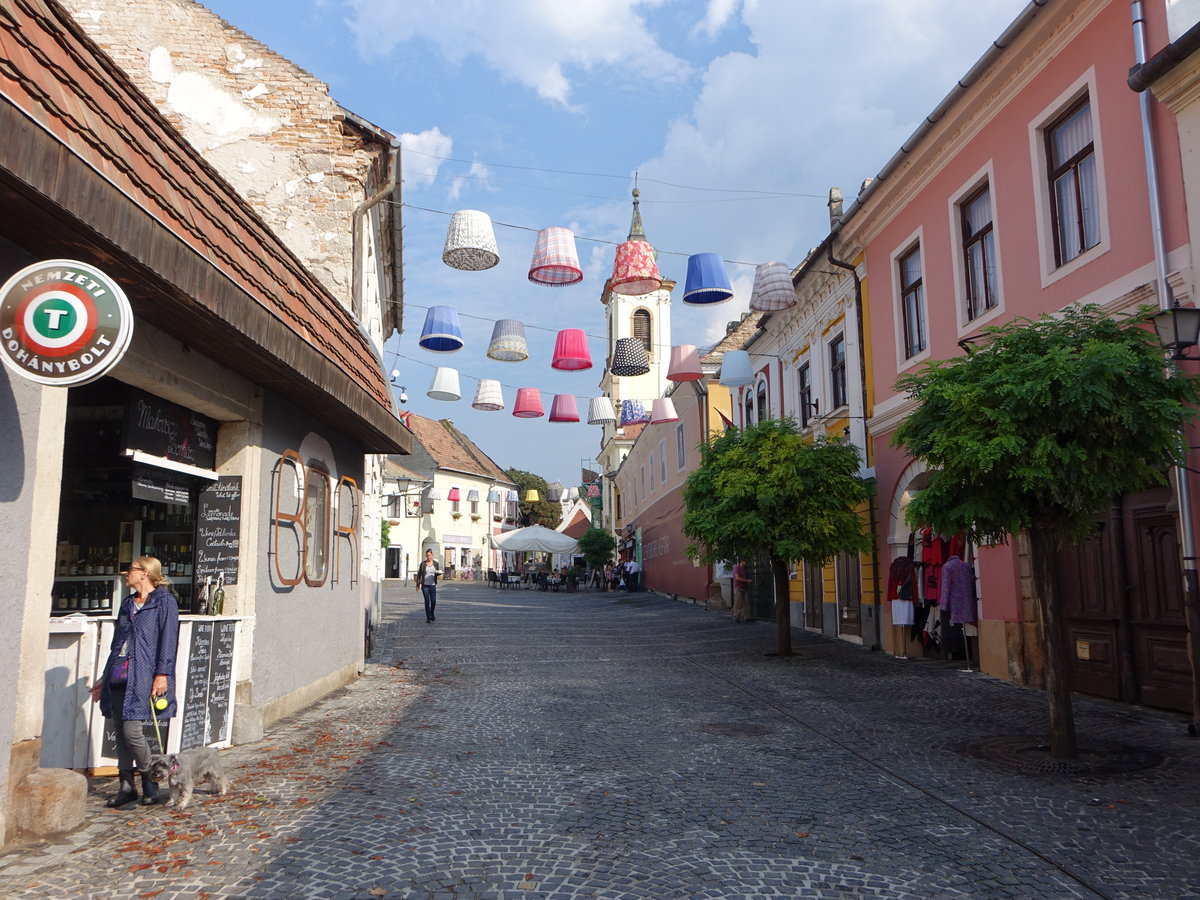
pixel 637 232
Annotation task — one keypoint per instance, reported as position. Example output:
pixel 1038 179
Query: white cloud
pixel 716 17
pixel 477 176
pixel 429 149
pixel 541 44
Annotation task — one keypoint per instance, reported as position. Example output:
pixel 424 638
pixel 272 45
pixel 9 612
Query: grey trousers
pixel 130 735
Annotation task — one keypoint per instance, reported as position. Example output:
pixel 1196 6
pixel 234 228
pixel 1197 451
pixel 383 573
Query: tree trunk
pixel 783 606
pixel 1043 543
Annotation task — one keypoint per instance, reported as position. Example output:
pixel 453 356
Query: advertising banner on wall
pixel 63 323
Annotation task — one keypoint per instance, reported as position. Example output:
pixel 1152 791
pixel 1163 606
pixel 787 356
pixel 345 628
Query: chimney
pixel 835 208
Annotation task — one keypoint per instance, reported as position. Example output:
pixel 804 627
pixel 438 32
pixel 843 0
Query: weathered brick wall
pixel 265 124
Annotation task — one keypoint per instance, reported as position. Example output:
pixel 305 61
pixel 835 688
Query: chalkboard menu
pixel 218 529
pixel 108 745
pixel 207 690
pixel 160 485
pixel 161 428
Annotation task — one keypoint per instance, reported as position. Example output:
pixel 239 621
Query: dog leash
pixel 154 703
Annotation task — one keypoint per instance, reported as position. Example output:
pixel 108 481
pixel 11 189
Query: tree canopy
pixel 767 490
pixel 597 547
pixel 1035 432
pixel 541 511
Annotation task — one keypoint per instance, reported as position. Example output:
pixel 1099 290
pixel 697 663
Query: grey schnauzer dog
pixel 183 770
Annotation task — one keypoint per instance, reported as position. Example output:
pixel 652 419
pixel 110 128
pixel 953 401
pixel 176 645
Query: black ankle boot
pixel 149 791
pixel 127 793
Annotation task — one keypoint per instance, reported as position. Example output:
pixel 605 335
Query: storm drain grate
pixel 1032 755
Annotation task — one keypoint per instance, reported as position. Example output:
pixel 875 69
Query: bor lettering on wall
pixel 218 529
pixel 314 523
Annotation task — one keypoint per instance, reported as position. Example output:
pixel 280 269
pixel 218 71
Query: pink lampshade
pixel 571 350
pixel 555 260
pixel 564 408
pixel 454 494
pixel 663 411
pixel 634 270
pixel 685 364
pixel 529 404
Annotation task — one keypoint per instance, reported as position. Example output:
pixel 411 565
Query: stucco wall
pixel 265 124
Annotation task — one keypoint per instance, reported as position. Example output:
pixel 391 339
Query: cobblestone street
pixel 566 745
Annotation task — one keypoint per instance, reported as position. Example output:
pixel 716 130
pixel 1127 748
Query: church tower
pixel 646 317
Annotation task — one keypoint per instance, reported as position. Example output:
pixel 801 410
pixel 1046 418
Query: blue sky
pixel 737 115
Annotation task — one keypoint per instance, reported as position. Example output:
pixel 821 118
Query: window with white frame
pixel 912 303
pixel 760 399
pixel 837 372
pixel 805 394
pixel 680 446
pixel 642 330
pixel 662 462
pixel 978 252
pixel 651 466
pixel 1074 192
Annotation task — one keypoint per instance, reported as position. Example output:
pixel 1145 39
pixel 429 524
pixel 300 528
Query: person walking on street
pixel 140 671
pixel 428 573
pixel 741 588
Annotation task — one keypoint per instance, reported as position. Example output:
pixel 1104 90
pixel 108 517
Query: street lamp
pixel 1178 328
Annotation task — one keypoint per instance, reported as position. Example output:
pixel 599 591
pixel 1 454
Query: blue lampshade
pixel 633 412
pixel 707 281
pixel 735 368
pixel 441 333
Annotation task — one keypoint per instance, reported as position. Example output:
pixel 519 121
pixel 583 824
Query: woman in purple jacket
pixel 140 671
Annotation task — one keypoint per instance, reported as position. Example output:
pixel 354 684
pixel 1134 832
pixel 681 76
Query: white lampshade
pixel 445 385
pixel 600 410
pixel 470 241
pixel 735 368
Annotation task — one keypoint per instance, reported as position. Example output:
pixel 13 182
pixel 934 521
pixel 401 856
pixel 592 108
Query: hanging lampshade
pixel 685 364
pixel 663 411
pixel 773 288
pixel 488 395
pixel 470 242
pixel 555 260
pixel 434 494
pixel 633 412
pixel 441 333
pixel 529 404
pixel 494 495
pixel 735 368
pixel 600 410
pixel 445 385
pixel 563 408
pixel 512 496
pixel 508 342
pixel 554 492
pixel 571 351
pixel 707 281
pixel 573 493
pixel 629 358
pixel 454 495
pixel 634 270
pixel 532 496
pixel 472 496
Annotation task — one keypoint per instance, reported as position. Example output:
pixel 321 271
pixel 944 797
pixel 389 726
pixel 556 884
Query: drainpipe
pixel 360 213
pixel 1187 539
pixel 835 206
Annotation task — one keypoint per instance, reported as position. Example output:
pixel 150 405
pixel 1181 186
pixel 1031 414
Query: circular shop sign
pixel 63 322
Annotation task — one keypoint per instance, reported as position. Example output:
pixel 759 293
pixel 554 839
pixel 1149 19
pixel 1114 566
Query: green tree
pixel 541 511
pixel 767 490
pixel 385 534
pixel 1035 432
pixel 597 547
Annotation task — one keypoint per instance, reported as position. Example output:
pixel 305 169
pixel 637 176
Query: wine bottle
pixel 217 607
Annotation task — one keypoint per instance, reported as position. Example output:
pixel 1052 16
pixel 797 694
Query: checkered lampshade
pixel 555 260
pixel 773 288
pixel 685 364
pixel 634 270
pixel 508 342
pixel 633 412
pixel 629 358
pixel 564 409
pixel 707 282
pixel 470 242
pixel 600 410
pixel 445 385
pixel 663 411
pixel 529 404
pixel 488 395
pixel 571 351
pixel 441 332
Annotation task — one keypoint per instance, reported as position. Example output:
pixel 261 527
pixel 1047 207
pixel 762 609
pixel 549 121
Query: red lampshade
pixel 529 404
pixel 634 269
pixel 564 408
pixel 685 364
pixel 571 351
pixel 454 494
